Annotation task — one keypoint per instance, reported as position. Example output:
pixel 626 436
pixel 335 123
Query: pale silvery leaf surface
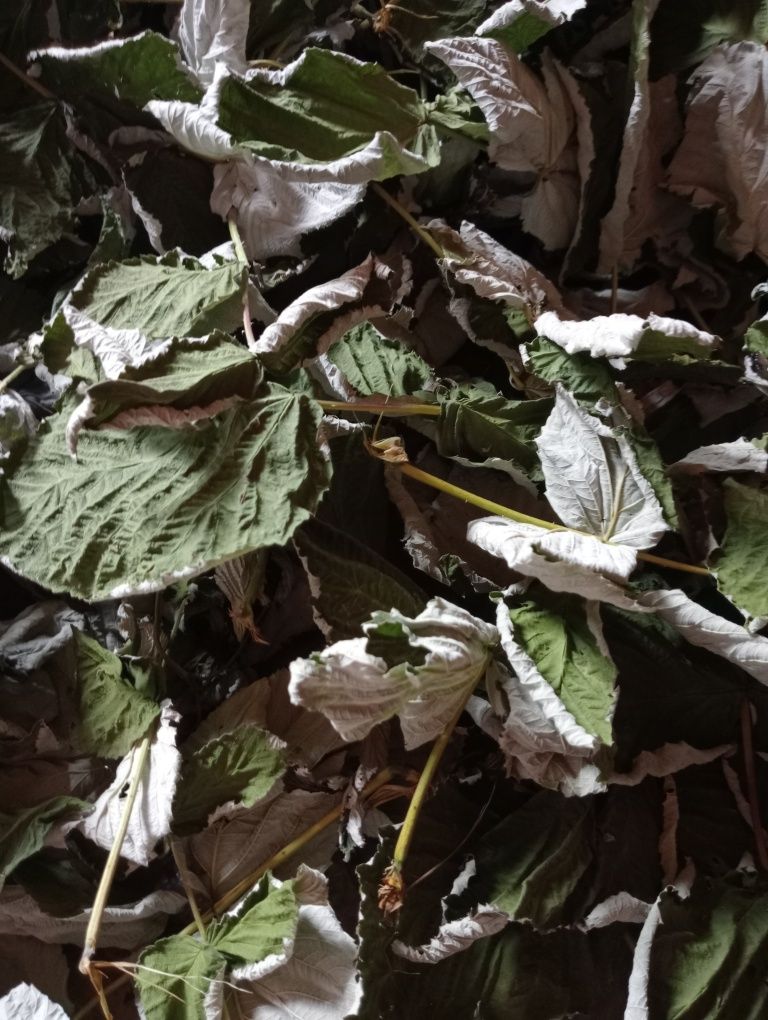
pixel 621 908
pixel 151 816
pixel 319 979
pixel 194 128
pixel 740 455
pixel 531 122
pixel 562 560
pixel 25 1002
pixel 620 335
pixel 273 210
pixel 17 422
pixel 593 481
pixel 708 630
pixel 214 31
pixel 666 760
pixel 116 349
pixel 612 233
pixel 356 690
pixel 721 159
pixel 123 927
pixel 455 936
pixel 549 12
pixel 493 271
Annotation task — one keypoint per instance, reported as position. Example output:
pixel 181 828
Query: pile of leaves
pixel 382 509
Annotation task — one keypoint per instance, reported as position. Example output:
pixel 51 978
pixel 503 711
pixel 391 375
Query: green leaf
pixel 328 107
pixel 654 470
pixel 110 714
pixel 144 506
pixel 23 834
pixel 478 423
pixel 175 975
pixel 371 363
pixel 707 954
pixel 742 563
pixel 263 925
pixel 134 70
pixel 554 632
pixel 532 861
pixel 587 378
pixel 39 183
pixel 242 765
pixel 349 581
pixel 167 296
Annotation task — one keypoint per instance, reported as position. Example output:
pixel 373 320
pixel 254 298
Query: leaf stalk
pixel 415 226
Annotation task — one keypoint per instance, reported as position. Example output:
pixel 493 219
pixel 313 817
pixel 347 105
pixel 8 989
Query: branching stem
pixel 515 515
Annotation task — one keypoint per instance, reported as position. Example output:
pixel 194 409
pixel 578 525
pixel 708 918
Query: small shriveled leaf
pixel 241 766
pixel 146 505
pixel 372 364
pixel 425 668
pixel 23 834
pixel 593 480
pixel 111 715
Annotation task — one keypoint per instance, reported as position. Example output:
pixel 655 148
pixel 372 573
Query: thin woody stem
pixel 6 382
pixel 384 407
pixel 515 515
pixel 141 755
pixel 417 228
pixel 29 81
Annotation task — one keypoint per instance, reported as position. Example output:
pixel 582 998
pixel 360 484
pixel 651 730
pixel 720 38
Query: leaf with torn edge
pixel 425 669
pixel 150 819
pixel 144 506
pixel 235 770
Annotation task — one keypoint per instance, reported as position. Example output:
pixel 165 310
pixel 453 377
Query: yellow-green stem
pixel 141 754
pixel 242 887
pixel 181 867
pixel 242 258
pixel 417 228
pixel 408 828
pixel 6 382
pixel 396 410
pixel 515 515
pixel 28 80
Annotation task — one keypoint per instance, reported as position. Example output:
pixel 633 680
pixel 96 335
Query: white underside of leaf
pixel 740 455
pixel 273 210
pixel 116 349
pixel 455 936
pixel 619 908
pixel 214 32
pixel 593 481
pixel 151 816
pixel 25 1002
pixel 551 12
pixel 617 335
